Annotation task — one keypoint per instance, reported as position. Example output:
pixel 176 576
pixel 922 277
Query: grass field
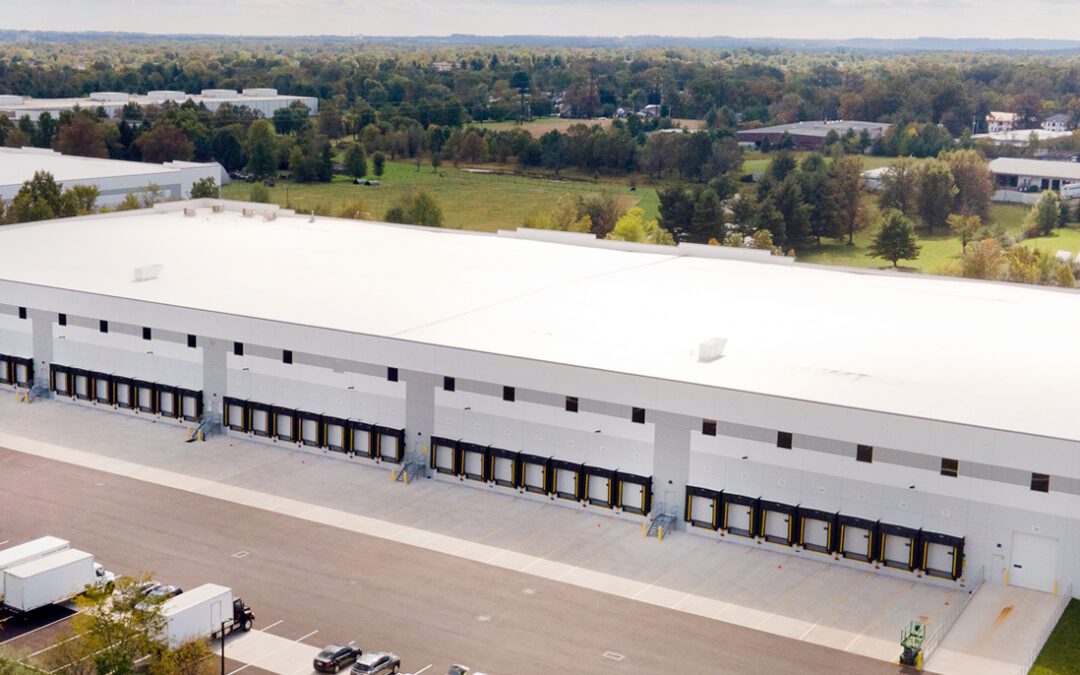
pixel 474 201
pixel 1061 653
pixel 541 126
pixel 758 162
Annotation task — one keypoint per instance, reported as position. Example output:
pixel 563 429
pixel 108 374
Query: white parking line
pixel 4 542
pixel 272 625
pixel 422 669
pixel 38 628
pixel 296 641
pixel 53 646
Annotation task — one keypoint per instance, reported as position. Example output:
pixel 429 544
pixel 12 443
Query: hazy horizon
pixel 785 19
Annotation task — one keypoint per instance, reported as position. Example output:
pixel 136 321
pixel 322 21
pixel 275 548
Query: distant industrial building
pixel 266 101
pixel 1033 174
pixel 1020 137
pixel 811 135
pixel 114 179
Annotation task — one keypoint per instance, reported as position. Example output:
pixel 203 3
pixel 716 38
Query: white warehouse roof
pixel 1035 167
pixel 113 178
pixel 265 101
pixel 948 349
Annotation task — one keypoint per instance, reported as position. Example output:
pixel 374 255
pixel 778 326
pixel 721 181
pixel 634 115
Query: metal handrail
pixel 940 624
pixel 1044 635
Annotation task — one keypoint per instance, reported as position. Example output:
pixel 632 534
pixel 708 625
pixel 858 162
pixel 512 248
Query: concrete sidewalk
pixel 850 608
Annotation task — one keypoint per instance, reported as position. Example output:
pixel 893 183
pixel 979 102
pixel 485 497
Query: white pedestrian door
pixel 1034 562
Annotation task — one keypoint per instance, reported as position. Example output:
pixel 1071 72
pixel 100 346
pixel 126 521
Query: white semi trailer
pixel 31 550
pixel 51 580
pixel 207 611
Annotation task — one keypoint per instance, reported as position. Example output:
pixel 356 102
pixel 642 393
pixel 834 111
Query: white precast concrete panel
pixel 914 346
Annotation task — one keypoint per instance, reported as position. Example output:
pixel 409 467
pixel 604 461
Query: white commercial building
pixel 916 424
pixel 114 179
pixel 266 101
pixel 1034 174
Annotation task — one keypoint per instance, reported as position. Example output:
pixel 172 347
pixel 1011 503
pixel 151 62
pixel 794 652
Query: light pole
pixel 222 648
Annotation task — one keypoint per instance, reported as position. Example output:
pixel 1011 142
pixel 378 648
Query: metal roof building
pixel 266 101
pixel 114 179
pixel 810 135
pixel 1041 174
pixel 913 424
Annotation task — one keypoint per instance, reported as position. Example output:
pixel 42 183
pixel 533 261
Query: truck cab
pixel 243 617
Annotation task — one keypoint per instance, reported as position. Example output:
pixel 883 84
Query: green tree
pixel 355 161
pixel 259 193
pixel 982 260
pixel 936 193
pixel 84 196
pixel 261 149
pixel 900 187
pixel 1045 214
pixel 632 226
pixel 965 228
pixel 40 198
pixel 378 161
pixel 847 196
pixel 707 221
pixel 974 184
pixel 129 203
pixel 205 187
pixel 417 208
pixel 896 239
pixel 165 144
pixel 789 201
pixel 82 137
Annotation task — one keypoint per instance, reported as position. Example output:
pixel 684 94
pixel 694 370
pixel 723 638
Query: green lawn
pixel 469 200
pixel 758 162
pixel 1061 653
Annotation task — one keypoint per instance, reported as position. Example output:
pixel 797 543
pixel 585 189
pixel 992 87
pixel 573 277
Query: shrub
pixel 259 193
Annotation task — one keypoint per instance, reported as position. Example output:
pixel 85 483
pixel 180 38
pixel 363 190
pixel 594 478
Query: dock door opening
pixel 260 419
pixel 24 371
pixel 236 417
pixel 60 379
pixel 779 522
pixel 336 433
pixel 857 538
pixel 361 439
pixel 474 461
pixel 123 392
pixel 817 530
pixel 942 555
pixel 145 400
pixel 191 404
pixel 740 515
pixel 311 429
pixel 445 457
pixel 535 473
pixel 7 374
pixel 284 424
pixel 167 404
pixel 899 546
pixel 704 507
pixel 504 468
pixel 567 481
pixel 599 487
pixel 103 391
pixel 390 443
pixel 635 493
pixel 83 383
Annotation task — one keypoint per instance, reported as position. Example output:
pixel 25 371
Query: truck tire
pixel 247 625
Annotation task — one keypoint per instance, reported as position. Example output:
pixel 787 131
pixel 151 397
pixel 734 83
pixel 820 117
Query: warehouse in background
pixel 113 178
pixel 266 101
pixel 876 420
pixel 811 135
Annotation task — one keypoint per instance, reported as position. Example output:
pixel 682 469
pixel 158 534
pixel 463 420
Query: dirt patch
pixel 1004 614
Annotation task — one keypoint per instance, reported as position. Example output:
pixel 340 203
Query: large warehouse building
pixel 811 135
pixel 916 424
pixel 114 179
pixel 266 101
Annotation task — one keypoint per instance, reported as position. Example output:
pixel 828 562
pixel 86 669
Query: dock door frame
pixel 561 467
pixel 699 495
pixel 954 548
pixel 751 504
pixel 320 433
pixel 771 510
pixel 637 498
pixel 832 531
pixel 848 524
pixel 443 449
pixel 889 535
pixel 470 453
pixel 235 415
pixel 384 436
pixel 545 485
pixel 341 424
pixel 594 475
pixel 497 456
pixel 361 449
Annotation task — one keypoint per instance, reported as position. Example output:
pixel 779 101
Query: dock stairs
pixel 411 470
pixel 661 523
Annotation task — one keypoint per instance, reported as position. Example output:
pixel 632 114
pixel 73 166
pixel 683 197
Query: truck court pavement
pixel 526 587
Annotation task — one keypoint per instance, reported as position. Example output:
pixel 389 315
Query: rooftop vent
pixel 249 213
pixel 711 350
pixel 269 215
pixel 190 213
pixel 148 272
pixel 218 208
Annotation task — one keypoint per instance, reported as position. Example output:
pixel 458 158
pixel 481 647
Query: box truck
pixel 53 579
pixel 207 611
pixel 31 550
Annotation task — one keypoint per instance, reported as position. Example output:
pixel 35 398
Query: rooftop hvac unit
pixel 260 92
pixel 148 272
pixel 218 93
pixel 711 350
pixel 166 95
pixel 188 212
pixel 218 208
pixel 270 215
pixel 249 213
pixel 109 96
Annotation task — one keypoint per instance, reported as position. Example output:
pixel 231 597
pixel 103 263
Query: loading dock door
pixel 235 412
pixel 599 490
pixel 123 394
pixel 146 399
pixel 361 442
pixel 815 535
pixel 335 436
pixel 898 551
pixel 740 519
pixel 856 542
pixel 62 382
pixel 1034 562
pixel 390 446
pixel 167 403
pixel 777 526
pixel 260 421
pixel 82 385
pixel 632 497
pixel 535 477
pixel 101 390
pixel 444 457
pixel 309 431
pixel 189 407
pixel 283 424
pixel 702 511
pixel 474 462
pixel 22 374
pixel 502 470
pixel 566 483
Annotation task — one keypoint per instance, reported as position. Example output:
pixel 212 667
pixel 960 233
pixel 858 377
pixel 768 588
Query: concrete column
pixel 215 377
pixel 671 464
pixel 42 327
pixel 419 417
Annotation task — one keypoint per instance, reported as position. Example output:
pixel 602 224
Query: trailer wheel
pixel 247 625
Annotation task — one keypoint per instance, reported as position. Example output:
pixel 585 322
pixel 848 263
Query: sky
pixel 746 18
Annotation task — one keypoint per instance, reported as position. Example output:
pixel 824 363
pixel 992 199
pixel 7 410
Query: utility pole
pixel 222 648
